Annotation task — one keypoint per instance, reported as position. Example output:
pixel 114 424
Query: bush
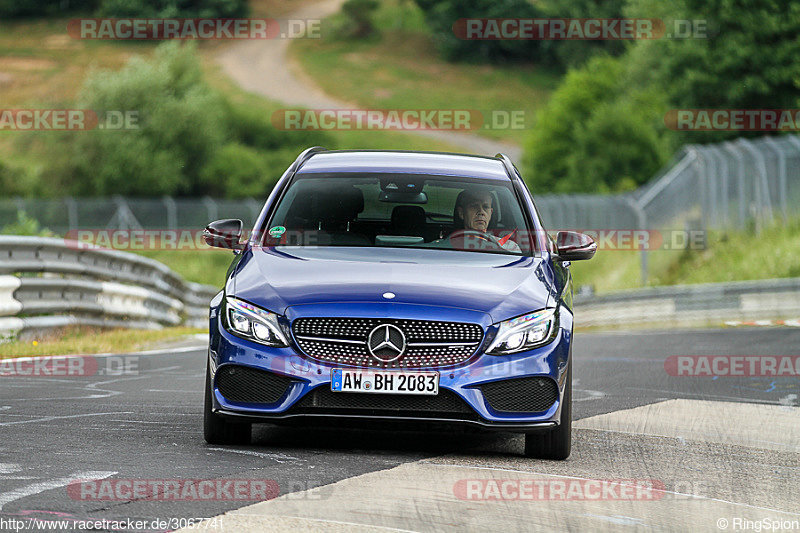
pixel 25 225
pixel 569 53
pixel 596 134
pixel 603 129
pixel 191 141
pixel 441 15
pixel 356 21
pixel 181 126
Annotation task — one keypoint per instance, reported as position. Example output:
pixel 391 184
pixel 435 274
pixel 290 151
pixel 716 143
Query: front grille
pixel 521 395
pixel 446 404
pixel 428 343
pixel 243 384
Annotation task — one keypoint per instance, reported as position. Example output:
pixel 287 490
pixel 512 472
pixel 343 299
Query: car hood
pixel 501 286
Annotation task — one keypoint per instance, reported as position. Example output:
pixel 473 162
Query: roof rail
pixel 509 166
pixel 305 155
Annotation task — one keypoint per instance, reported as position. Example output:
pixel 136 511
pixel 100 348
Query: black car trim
pixel 491 426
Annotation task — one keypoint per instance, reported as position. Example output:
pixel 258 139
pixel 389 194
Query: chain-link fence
pixel 735 184
pixel 715 186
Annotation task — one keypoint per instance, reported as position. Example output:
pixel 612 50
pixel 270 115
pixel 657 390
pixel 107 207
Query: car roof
pixel 405 162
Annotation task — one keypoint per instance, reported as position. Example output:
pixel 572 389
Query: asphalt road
pixel 146 424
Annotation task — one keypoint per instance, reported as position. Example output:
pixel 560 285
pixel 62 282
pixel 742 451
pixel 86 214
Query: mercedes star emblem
pixel 386 343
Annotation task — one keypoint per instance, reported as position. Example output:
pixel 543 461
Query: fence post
pixel 723 179
pixel 255 209
pixel 732 148
pixel 782 187
pixel 761 187
pixel 641 221
pixel 172 212
pixel 72 213
pixel 123 217
pixel 211 208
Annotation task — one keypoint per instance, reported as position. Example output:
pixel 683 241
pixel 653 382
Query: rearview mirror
pixel 574 246
pixel 224 234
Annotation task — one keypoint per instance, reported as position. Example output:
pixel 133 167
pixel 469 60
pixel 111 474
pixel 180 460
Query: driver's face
pixel 477 211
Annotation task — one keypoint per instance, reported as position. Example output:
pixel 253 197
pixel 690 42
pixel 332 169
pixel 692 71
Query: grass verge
pixel 206 266
pixel 727 256
pixel 401 69
pixel 93 341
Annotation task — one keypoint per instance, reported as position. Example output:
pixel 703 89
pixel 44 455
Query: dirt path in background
pixel 264 67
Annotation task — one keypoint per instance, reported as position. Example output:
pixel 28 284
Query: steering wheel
pixel 467 239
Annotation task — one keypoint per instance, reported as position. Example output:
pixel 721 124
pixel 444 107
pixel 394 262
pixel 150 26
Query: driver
pixel 474 208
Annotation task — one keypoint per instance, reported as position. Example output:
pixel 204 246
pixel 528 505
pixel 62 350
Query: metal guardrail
pixel 48 283
pixel 692 305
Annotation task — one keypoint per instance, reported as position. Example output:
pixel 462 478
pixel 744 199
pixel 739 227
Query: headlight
pixel 525 332
pixel 251 322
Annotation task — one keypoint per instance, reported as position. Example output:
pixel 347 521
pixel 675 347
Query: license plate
pixel 384 382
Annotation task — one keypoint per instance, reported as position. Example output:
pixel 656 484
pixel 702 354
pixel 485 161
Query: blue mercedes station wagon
pixel 397 287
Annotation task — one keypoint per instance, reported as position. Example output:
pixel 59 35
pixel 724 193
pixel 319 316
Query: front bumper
pixel 307 384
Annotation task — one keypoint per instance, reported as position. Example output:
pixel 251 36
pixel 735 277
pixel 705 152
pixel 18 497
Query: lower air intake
pixel 521 395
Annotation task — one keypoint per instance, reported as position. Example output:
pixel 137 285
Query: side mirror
pixel 225 233
pixel 574 246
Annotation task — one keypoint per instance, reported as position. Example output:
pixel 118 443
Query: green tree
pixel 181 125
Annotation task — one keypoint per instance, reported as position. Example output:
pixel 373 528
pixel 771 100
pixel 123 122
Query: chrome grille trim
pixel 329 339
pixel 430 343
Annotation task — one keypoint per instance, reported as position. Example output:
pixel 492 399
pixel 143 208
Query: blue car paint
pixel 430 284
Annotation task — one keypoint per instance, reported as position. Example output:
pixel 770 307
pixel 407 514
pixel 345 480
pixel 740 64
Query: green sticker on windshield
pixel 276 231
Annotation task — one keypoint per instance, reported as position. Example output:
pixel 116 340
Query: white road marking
pixel 9 468
pixel 277 457
pixel 182 349
pixel 51 418
pixel 36 488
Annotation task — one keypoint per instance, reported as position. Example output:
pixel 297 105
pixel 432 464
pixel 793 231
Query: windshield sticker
pixel 276 231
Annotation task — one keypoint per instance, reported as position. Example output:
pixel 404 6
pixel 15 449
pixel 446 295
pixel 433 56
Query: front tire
pixel 218 430
pixel 556 443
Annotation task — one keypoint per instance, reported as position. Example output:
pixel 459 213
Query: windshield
pixel 404 210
